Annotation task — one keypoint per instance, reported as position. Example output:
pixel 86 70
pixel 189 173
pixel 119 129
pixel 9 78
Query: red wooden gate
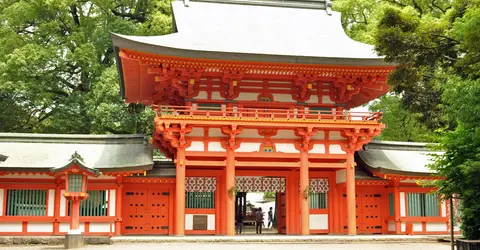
pixel 281 212
pixel 145 211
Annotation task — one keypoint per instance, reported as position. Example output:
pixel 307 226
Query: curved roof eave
pixel 374 164
pixel 120 41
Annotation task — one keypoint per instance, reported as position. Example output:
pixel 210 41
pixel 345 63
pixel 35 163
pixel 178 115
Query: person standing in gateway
pixel 270 217
pixel 259 220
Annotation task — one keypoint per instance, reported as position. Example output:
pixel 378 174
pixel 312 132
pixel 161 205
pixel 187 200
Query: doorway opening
pixel 260 205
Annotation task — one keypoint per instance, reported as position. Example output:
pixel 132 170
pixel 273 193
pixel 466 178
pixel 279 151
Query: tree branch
pixel 417 7
pixel 137 17
pixel 438 7
pixel 73 11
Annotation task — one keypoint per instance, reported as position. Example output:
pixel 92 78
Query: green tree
pixel 435 44
pixel 402 125
pixel 57 72
pixel 415 35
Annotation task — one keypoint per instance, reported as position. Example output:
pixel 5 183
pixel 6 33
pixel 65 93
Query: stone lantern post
pixel 76 175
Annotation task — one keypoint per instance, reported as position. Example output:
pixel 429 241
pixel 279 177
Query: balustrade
pixel 192 112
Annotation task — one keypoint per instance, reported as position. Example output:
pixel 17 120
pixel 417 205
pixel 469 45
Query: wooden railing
pixel 190 112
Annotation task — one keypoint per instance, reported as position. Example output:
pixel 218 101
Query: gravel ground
pixel 210 246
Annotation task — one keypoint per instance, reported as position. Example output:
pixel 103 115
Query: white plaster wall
pixel 283 83
pixel 318 221
pixel 417 227
pixel 196 146
pixel 250 133
pixel 319 136
pixel 42 227
pixel 336 149
pixel 65 227
pixel 243 96
pixel 286 148
pixel 285 134
pixel 99 227
pixel 102 177
pixel 202 95
pixel 2 193
pixel 112 202
pixel 196 132
pixel 189 222
pixel 313 99
pixel 444 209
pixel 257 81
pixel 249 147
pixel 335 135
pixel 27 176
pixel 436 227
pixel 341 176
pixel 283 98
pixel 51 202
pixel 403 227
pixel 318 149
pixel 211 222
pixel 216 95
pixel 326 99
pixel 63 203
pixel 214 146
pixel 402 205
pixel 391 226
pixel 11 227
pixel 215 132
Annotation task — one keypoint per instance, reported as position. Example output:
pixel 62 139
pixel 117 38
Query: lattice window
pixel 318 201
pixel 254 184
pixel 391 206
pixel 26 202
pixel 95 205
pixel 319 185
pixel 75 182
pixel 200 200
pixel 422 205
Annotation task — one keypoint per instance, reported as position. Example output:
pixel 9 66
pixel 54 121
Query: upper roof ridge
pixel 306 4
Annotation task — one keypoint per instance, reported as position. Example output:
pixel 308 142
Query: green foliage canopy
pixel 57 72
pixel 435 43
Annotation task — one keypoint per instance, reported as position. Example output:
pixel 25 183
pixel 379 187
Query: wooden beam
pixel 266 164
pixel 206 163
pixel 327 165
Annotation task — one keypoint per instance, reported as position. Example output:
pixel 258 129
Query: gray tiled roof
pixel 42 152
pixel 255 32
pixel 398 157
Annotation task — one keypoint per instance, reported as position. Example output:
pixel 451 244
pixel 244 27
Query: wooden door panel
pixel 158 211
pixel 135 209
pixel 145 211
pixel 281 213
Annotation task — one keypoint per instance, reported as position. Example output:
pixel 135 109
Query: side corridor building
pixel 250 96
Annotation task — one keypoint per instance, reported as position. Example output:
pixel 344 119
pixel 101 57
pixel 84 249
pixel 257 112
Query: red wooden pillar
pixel 396 205
pixel 118 206
pixel 350 182
pixel 56 205
pixel 230 195
pixel 180 193
pixel 305 195
pixel 75 215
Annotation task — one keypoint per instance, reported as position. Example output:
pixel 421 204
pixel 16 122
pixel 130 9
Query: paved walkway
pixel 211 246
pixel 324 239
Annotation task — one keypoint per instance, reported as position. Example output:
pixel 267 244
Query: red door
pixel 368 211
pixel 145 211
pixel 281 213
